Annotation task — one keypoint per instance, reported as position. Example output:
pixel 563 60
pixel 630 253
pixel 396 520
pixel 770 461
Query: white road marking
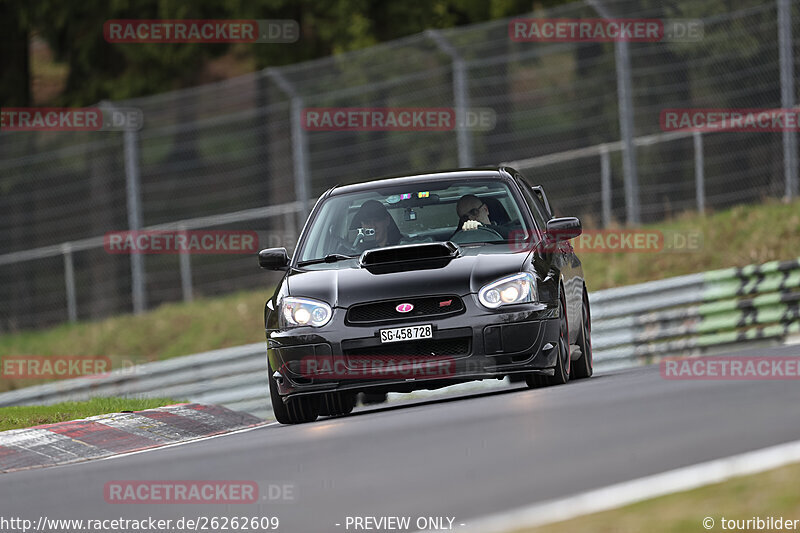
pixel 637 490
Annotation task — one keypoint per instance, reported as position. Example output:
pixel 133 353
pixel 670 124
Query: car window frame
pixel 534 205
pixel 502 176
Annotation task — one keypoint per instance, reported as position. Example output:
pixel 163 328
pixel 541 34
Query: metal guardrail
pixel 693 313
pixel 234 377
pixel 630 325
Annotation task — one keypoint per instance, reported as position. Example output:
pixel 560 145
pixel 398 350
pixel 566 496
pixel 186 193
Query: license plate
pixel 408 333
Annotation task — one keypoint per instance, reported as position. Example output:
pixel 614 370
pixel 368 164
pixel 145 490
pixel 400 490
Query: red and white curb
pixel 116 433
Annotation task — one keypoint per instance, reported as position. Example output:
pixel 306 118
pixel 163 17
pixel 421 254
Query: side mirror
pixel 564 228
pixel 273 258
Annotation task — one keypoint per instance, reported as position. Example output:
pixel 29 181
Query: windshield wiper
pixel 330 258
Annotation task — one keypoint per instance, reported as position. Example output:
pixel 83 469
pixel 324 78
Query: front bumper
pixel 476 344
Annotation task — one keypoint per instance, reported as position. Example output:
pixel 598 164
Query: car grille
pixel 426 347
pixel 427 307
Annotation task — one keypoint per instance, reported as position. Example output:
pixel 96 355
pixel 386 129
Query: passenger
pixel 373 215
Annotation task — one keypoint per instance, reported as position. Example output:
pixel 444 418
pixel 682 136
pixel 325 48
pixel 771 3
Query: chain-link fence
pixel 233 155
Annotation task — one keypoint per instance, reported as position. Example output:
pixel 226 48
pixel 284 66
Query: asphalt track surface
pixel 461 457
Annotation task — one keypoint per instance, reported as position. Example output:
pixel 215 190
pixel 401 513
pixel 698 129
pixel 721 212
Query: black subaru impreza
pixel 421 282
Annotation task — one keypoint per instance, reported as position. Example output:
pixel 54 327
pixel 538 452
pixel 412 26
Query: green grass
pixel 743 235
pixel 35 415
pixel 168 331
pixel 735 237
pixel 774 493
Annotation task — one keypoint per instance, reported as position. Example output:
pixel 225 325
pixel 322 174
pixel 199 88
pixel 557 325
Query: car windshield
pixel 348 224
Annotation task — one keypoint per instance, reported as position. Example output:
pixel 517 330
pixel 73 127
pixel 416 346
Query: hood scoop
pixel 409 257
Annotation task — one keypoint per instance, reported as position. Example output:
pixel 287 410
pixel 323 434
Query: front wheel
pixel 337 403
pixel 373 398
pixel 562 370
pixel 294 411
pixel 583 367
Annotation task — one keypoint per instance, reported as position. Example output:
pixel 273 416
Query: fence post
pixel 629 164
pixel 131 152
pixel 699 172
pixel 299 142
pixel 787 95
pixel 185 261
pixel 460 98
pixel 625 104
pixel 69 282
pixel 605 185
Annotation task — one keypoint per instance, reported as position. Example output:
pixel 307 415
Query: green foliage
pixel 34 415
pixel 773 493
pixel 741 236
pixel 100 70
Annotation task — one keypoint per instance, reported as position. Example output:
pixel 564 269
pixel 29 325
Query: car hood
pixel 346 283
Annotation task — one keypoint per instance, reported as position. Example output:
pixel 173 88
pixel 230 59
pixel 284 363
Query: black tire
pixel 337 404
pixel 562 369
pixel 536 381
pixel 584 367
pixel 295 411
pixel 373 398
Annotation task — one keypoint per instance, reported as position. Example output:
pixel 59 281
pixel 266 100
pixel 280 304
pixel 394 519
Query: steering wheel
pixel 481 234
pixel 340 246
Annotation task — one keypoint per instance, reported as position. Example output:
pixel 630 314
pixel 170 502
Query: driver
pixel 373 215
pixel 473 213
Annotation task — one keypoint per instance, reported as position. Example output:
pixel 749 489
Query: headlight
pixel 516 289
pixel 304 312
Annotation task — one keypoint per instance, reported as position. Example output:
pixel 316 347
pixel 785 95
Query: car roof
pixel 470 173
